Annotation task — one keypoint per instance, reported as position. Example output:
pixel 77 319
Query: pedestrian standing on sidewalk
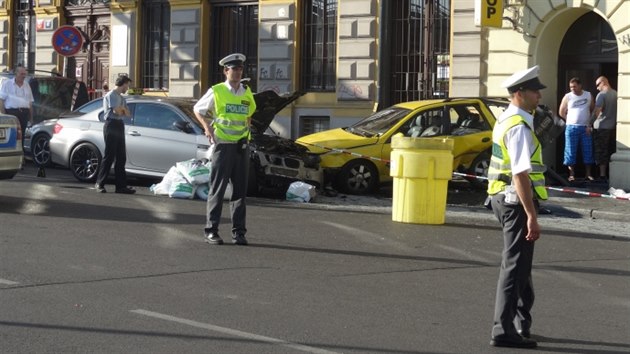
pixel 16 98
pixel 516 182
pixel 575 109
pixel 604 121
pixel 115 110
pixel 231 106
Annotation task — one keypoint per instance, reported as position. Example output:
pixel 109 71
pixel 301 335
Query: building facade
pixel 349 57
pixel 566 38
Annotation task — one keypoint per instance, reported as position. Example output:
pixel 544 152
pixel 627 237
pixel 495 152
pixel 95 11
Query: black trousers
pixel 23 115
pixel 115 150
pixel 230 164
pixel 515 290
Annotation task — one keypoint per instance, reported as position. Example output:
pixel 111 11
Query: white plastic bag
pixel 195 171
pixel 300 192
pixel 202 191
pixel 180 188
pixel 164 187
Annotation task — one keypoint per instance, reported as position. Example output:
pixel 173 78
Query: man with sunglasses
pixel 604 122
pixel 516 183
pixel 231 105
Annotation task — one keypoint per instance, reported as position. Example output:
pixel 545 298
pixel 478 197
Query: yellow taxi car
pixel 356 158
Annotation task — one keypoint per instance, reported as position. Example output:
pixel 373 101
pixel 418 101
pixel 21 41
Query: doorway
pixel 588 50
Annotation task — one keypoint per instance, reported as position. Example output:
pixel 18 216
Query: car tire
pixel 358 177
pixel 84 162
pixel 41 150
pixel 479 167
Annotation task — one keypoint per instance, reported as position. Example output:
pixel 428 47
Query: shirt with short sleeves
pixel 607 101
pixel 113 100
pixel 519 141
pixel 15 96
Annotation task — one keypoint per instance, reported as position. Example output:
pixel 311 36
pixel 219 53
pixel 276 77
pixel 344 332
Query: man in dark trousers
pixel 16 98
pixel 231 106
pixel 516 181
pixel 115 110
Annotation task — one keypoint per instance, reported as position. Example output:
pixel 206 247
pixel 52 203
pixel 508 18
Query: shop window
pixel 156 17
pixel 310 124
pixel 319 55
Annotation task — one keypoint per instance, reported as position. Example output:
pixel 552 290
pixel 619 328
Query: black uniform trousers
pixel 23 115
pixel 515 290
pixel 230 164
pixel 115 150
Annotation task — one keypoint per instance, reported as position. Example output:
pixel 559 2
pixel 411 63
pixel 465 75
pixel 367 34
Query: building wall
pixel 484 57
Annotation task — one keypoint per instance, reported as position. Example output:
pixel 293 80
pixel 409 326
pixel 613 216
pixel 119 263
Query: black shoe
pixel 239 239
pixel 513 341
pixel 525 333
pixel 125 190
pixel 100 189
pixel 213 238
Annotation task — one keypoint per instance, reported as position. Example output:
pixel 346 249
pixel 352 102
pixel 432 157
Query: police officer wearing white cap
pixel 516 183
pixel 231 105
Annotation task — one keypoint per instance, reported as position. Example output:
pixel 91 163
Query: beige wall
pixel 486 56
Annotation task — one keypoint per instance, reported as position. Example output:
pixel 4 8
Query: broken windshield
pixel 379 122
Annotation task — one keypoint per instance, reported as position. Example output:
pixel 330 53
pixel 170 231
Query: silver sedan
pixel 160 133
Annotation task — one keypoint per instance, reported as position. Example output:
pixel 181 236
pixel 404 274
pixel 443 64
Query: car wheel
pixel 41 150
pixel 479 167
pixel 358 177
pixel 84 162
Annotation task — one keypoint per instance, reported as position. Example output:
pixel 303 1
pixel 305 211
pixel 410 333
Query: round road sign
pixel 67 40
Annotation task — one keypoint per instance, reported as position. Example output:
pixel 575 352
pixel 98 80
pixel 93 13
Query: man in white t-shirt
pixel 575 109
pixel 16 98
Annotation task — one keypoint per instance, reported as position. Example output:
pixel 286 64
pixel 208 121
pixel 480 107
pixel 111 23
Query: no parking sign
pixel 67 40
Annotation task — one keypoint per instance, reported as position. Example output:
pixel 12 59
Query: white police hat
pixel 524 80
pixel 235 59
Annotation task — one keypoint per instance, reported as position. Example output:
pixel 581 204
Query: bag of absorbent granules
pixel 195 171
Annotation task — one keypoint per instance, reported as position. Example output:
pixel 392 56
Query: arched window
pixel 156 18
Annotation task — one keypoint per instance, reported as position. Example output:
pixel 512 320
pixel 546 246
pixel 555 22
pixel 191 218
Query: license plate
pixel 3 133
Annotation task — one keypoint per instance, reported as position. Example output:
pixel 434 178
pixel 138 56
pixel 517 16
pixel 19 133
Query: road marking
pixel 8 282
pixel 233 332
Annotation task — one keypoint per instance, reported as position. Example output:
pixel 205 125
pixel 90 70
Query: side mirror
pixel 183 126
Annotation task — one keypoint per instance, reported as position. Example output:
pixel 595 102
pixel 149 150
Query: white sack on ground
pixel 300 192
pixel 180 188
pixel 195 171
pixel 164 187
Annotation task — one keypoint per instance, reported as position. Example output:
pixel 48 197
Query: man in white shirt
pixel 575 109
pixel 16 98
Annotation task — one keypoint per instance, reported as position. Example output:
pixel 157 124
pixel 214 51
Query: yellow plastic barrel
pixel 421 169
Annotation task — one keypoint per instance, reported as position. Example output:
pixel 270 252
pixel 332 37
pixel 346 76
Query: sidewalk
pixel 462 199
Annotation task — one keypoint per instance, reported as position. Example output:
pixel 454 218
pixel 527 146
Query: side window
pixel 467 119
pixel 155 116
pixel 424 124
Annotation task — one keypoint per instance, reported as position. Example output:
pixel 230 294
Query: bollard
pixel 421 168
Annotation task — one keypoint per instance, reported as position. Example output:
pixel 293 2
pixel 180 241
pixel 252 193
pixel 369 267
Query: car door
pixel 471 131
pixel 154 142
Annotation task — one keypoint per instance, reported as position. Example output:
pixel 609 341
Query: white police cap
pixel 524 80
pixel 235 59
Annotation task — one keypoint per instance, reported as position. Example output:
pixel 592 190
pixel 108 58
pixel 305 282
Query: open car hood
pixel 268 104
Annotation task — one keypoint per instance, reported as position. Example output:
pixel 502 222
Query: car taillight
pixel 19 131
pixel 57 128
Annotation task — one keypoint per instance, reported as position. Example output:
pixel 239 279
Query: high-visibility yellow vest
pixel 500 172
pixel 230 122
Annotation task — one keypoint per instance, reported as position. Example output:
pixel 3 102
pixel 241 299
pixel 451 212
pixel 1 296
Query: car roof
pixel 418 104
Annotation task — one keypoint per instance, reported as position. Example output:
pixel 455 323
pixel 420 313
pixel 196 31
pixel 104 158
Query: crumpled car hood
pixel 334 139
pixel 268 104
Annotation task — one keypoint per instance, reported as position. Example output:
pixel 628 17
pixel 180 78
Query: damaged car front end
pixel 277 161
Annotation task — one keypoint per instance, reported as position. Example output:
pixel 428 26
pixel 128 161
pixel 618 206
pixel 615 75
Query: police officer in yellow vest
pixel 516 183
pixel 231 106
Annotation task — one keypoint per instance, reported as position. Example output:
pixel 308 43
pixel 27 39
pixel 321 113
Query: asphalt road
pixel 82 272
